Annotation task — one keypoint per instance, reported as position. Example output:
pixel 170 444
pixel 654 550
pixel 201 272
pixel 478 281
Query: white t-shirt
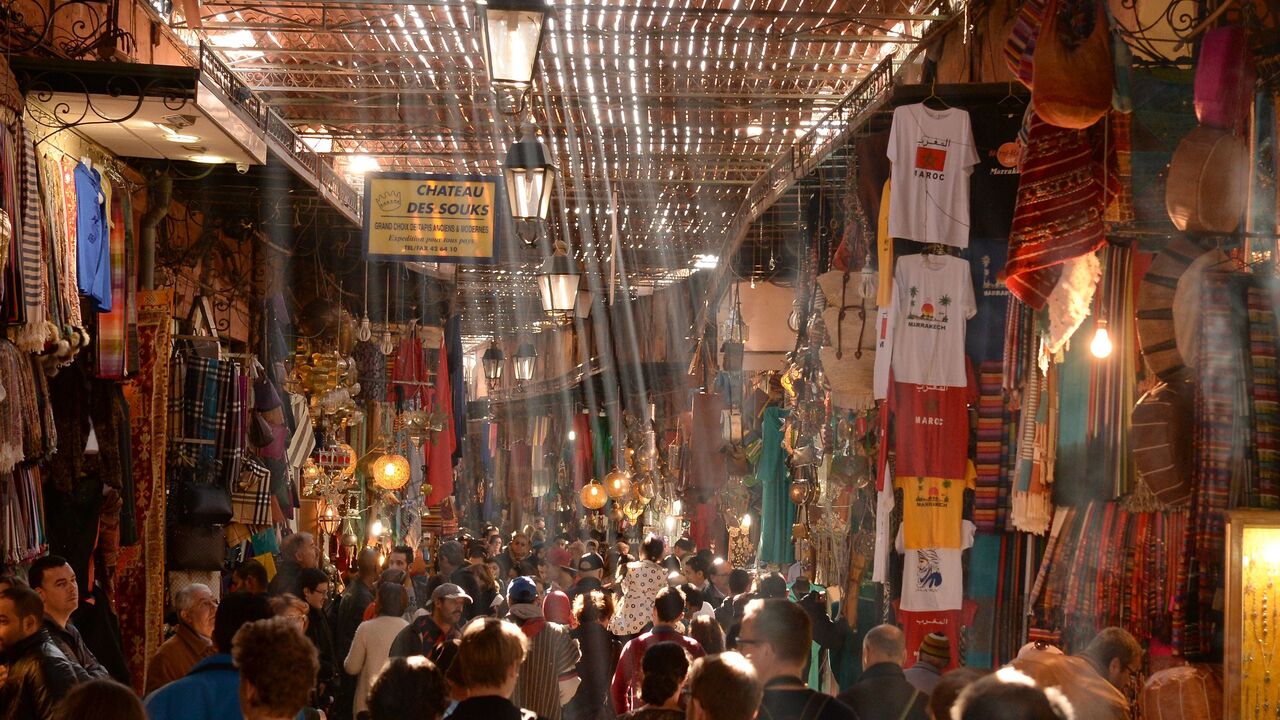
pixel 933 579
pixel 921 334
pixel 932 152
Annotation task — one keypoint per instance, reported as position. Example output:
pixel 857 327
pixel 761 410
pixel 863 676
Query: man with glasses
pixel 1097 680
pixel 775 638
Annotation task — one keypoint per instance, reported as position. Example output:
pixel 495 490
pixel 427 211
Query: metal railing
pixel 331 186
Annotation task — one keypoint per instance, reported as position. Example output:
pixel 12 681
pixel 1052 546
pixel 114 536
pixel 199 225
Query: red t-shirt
pixel 931 430
pixel 915 625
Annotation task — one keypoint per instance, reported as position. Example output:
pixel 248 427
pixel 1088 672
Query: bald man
pixel 883 693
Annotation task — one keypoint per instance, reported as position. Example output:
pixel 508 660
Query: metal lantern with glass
pixel 558 280
pixel 530 179
pixel 523 362
pixel 511 31
pixel 492 362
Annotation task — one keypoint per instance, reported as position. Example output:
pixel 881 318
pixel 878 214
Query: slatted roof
pixel 669 108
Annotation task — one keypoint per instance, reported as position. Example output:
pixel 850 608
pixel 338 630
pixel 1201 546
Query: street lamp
pixel 530 177
pixel 512 34
pixel 558 280
pixel 492 361
pixel 526 356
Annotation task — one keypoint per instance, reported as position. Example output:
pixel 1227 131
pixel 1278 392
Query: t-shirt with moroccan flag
pixel 933 508
pixel 933 153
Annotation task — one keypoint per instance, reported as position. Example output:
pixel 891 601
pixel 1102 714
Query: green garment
pixel 777 512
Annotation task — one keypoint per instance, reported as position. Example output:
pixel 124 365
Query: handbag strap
pixel 911 701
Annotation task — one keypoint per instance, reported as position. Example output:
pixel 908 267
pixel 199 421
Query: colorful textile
pixel 1218 447
pixel 1059 211
pixel 11 290
pixel 111 339
pixel 993 457
pixel 443 442
pixel 1264 491
pixel 1107 566
pixel 139 581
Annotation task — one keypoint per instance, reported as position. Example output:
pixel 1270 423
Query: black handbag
pixel 196 547
pixel 202 497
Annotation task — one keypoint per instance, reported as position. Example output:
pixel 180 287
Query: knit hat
pixel 936 645
pixel 560 558
pixel 522 591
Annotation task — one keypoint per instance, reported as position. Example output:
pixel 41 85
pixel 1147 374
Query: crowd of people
pixel 513 630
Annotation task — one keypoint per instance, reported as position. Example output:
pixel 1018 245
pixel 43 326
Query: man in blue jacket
pixel 211 691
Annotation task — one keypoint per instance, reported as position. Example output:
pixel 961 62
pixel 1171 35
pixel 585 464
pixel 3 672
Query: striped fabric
pixel 1021 45
pixel 1265 394
pixel 303 441
pixel 1221 375
pixel 31 336
pixel 1058 215
pixel 991 497
pixel 112 333
pixel 552 652
pixel 13 294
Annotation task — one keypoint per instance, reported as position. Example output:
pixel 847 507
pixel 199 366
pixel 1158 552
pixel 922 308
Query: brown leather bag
pixel 1073 78
pixel 1208 181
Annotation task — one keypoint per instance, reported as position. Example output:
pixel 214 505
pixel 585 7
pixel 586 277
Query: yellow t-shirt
pixel 884 248
pixel 932 509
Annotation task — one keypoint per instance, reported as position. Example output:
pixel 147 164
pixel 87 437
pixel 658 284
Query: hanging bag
pixel 1074 70
pixel 201 497
pixel 196 547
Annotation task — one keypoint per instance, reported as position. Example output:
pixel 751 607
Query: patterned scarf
pixel 31 336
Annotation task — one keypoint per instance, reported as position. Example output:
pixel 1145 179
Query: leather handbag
pixel 1074 69
pixel 202 498
pixel 196 547
pixel 1208 181
pixel 1225 80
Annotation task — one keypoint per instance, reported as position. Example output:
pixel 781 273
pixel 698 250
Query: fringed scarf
pixel 32 335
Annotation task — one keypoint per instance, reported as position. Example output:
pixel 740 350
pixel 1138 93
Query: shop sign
pixel 433 218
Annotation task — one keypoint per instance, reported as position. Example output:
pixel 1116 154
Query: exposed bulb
pixel 376 529
pixel 1101 346
pixel 573 435
pixel 746 521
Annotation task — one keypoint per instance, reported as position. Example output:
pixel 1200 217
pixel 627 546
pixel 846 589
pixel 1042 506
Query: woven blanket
pixel 991 496
pixel 1264 491
pixel 139 582
pixel 1221 375
pixel 1058 215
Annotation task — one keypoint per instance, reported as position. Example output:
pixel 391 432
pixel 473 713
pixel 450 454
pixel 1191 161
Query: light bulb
pixel 1101 345
pixel 573 435
pixel 376 529
pixel 746 521
pixel 389 470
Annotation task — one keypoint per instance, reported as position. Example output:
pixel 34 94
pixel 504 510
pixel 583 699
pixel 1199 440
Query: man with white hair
pixel 297 551
pixel 192 640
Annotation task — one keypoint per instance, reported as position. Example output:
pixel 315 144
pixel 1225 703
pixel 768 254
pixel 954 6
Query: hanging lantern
pixel 349 537
pixel 312 474
pixel 558 280
pixel 525 359
pixel 492 361
pixel 511 31
pixel 594 496
pixel 391 471
pixel 801 490
pixel 327 522
pixel 530 178
pixel 617 483
pixel 633 509
pixel 416 427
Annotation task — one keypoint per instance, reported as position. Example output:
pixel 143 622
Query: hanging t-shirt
pixel 933 579
pixel 932 152
pixel 994 182
pixel 921 334
pixel 984 337
pixel 916 625
pixel 93 254
pixel 931 428
pixel 932 509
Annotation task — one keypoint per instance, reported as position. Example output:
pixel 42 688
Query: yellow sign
pixel 437 218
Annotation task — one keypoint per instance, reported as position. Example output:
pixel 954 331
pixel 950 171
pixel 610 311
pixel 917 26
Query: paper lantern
pixel 594 496
pixel 391 471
